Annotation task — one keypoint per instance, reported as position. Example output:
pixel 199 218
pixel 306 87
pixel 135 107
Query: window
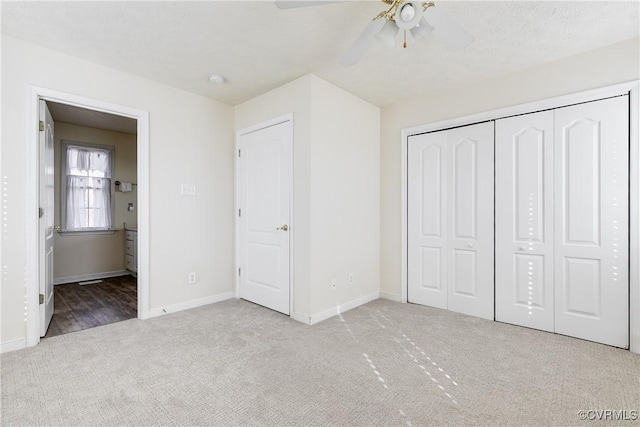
pixel 86 187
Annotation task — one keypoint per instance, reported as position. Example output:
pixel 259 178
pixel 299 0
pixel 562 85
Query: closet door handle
pixel 283 228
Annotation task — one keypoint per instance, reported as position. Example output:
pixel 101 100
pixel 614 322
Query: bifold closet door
pixel 592 221
pixel 562 191
pixel 524 220
pixel 450 219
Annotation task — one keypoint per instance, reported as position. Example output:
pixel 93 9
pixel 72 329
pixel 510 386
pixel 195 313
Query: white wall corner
pixel 302 318
pixel 334 311
pixel 391 297
pixel 173 308
pixel 13 345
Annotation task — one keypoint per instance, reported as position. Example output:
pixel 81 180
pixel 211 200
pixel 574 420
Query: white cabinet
pixel 562 192
pixel 131 251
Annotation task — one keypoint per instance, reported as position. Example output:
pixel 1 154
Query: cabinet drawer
pixel 129 235
pixel 129 263
pixel 130 247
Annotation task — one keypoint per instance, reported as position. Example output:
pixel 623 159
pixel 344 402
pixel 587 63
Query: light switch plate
pixel 187 190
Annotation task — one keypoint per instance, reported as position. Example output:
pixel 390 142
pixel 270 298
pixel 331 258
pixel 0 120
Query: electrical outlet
pixel 351 278
pixel 191 278
pixel 333 284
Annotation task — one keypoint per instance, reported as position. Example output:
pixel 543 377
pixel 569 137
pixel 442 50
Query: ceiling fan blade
pixel 292 4
pixel 450 33
pixel 363 41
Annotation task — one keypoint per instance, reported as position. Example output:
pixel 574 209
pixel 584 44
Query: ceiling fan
pixel 418 18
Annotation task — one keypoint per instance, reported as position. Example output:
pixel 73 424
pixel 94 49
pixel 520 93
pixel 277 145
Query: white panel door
pixel 524 220
pixel 263 199
pixel 427 219
pixel 46 189
pixel 591 221
pixel 450 219
pixel 470 212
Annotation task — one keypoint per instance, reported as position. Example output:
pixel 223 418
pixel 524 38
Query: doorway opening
pixel 90 202
pixel 94 210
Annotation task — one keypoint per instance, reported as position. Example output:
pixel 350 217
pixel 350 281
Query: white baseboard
pixel 391 297
pixel 301 318
pixel 334 311
pixel 90 276
pixel 13 345
pixel 160 311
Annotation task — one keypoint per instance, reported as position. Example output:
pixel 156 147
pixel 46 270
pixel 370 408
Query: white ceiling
pixel 259 47
pixel 65 113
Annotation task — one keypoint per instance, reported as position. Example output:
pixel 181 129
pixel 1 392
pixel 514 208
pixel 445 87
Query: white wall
pixel 614 64
pixel 91 254
pixel 191 141
pixel 293 97
pixel 345 197
pixel 336 191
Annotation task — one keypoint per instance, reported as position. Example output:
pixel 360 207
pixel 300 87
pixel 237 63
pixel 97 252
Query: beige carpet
pixel 384 363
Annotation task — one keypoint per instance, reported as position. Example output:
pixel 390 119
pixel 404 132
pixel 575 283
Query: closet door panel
pixel 427 219
pixel 470 206
pixel 591 221
pixel 524 220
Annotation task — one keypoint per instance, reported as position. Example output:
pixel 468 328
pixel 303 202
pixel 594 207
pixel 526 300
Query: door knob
pixel 283 228
pixel 470 245
pixel 56 228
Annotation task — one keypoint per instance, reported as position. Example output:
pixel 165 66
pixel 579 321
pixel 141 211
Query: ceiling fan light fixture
pixel 422 29
pixel 387 34
pixel 408 15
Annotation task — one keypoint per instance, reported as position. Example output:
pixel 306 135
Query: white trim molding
pixel 13 345
pixel 186 305
pixel 634 218
pixel 90 276
pixel 35 94
pixel 334 311
pixel 630 88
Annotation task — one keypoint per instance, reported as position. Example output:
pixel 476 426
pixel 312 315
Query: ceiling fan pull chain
pixel 404 45
pixel 427 5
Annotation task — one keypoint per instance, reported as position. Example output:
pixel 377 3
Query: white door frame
pixel 633 89
pixel 33 247
pixel 292 228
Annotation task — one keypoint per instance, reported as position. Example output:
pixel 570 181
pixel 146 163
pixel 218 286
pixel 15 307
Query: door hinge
pixel 40 212
pixel 41 298
pixel 239 271
pixel 41 125
pixel 240 213
pixel 239 153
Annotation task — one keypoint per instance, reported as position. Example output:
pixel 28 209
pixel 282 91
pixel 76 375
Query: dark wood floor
pixel 78 307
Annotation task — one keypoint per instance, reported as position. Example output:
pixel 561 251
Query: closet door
pixel 591 221
pixel 450 219
pixel 524 220
pixel 427 219
pixel 470 212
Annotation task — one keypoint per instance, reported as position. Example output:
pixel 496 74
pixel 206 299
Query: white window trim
pixel 64 144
